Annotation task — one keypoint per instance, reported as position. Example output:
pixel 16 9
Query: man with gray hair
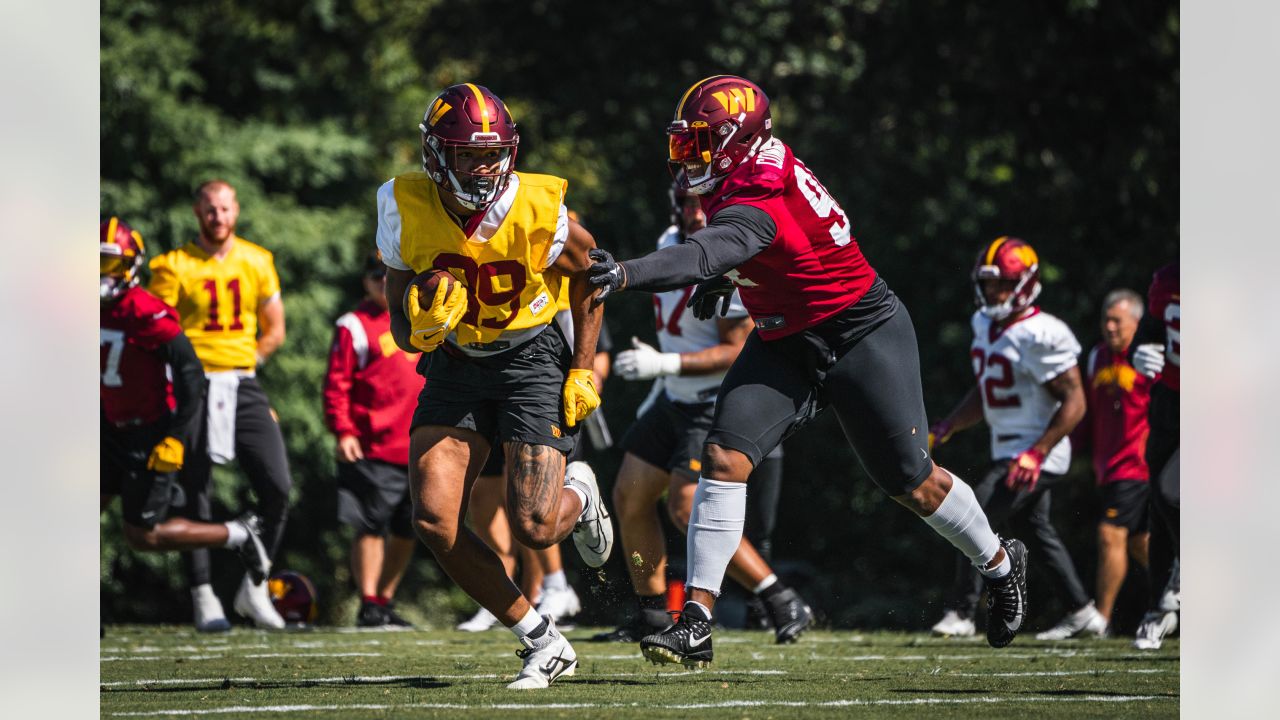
pixel 1116 427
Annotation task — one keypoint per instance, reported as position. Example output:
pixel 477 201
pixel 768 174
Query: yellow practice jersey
pixel 218 299
pixel 512 293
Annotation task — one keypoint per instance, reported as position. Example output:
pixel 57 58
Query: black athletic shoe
pixel 371 615
pixel 393 618
pixel 253 553
pixel 791 616
pixel 688 642
pixel 1007 597
pixel 647 622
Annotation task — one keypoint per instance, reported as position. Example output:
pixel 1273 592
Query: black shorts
pixel 373 498
pixel 512 396
pixel 1124 504
pixel 669 435
pixel 863 363
pixel 146 497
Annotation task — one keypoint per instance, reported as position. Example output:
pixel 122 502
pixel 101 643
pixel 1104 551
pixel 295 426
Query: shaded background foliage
pixel 937 126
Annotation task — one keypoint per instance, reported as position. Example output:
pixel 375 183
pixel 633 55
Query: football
pixel 428 281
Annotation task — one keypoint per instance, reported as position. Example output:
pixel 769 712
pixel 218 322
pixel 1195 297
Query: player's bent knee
pixel 725 464
pixel 534 531
pixel 437 534
pixel 927 496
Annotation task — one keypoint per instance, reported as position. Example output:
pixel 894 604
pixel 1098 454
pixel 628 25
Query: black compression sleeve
pixel 188 386
pixel 734 236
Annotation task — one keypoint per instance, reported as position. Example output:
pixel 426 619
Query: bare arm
pixel 966 413
pixel 397 284
pixel 271 327
pixel 1067 389
pixel 718 357
pixel 587 314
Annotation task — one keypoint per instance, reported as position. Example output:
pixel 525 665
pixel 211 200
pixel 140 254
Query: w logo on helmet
pixel 734 98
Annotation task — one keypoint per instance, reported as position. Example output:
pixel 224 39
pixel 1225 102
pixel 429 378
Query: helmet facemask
pixel 117 272
pixel 1024 293
pixel 473 190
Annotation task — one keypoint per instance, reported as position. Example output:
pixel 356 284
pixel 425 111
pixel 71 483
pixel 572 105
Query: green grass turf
pixel 155 671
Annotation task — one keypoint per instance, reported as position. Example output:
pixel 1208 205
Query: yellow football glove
pixel 580 396
pixel 431 326
pixel 166 457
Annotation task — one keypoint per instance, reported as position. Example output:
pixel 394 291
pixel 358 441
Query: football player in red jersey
pixel 828 332
pixel 146 419
pixel 1116 427
pixel 1157 351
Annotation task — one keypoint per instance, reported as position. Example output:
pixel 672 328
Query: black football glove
pixel 606 274
pixel 708 294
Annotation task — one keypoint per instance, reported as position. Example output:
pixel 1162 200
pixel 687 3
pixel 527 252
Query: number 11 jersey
pixel 1011 365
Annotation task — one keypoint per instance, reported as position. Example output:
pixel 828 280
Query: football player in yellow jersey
pixel 227 293
pixel 498 367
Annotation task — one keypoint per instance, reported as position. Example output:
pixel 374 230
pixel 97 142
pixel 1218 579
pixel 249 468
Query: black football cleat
pixel 790 614
pixel 646 623
pixel 1007 597
pixel 371 615
pixel 687 642
pixel 253 553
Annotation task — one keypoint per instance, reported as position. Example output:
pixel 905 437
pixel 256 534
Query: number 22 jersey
pixel 1011 365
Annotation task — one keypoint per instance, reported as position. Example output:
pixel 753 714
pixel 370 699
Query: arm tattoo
pixel 535 477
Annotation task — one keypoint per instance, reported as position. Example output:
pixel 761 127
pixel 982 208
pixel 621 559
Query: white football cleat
pixel 545 659
pixel 953 624
pixel 481 621
pixel 1086 621
pixel 560 604
pixel 1154 626
pixel 208 610
pixel 254 602
pixel 593 535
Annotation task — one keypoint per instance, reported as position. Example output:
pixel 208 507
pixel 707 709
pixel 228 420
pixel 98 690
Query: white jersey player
pixel 664 453
pixel 1028 390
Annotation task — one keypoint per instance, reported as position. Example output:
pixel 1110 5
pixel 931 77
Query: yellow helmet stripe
pixel 484 109
pixel 112 224
pixel 687 93
pixel 993 247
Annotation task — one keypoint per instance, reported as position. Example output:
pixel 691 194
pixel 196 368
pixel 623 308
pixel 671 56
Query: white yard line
pixel 373 679
pixel 142 658
pixel 595 706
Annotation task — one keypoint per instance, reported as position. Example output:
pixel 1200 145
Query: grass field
pixel 156 671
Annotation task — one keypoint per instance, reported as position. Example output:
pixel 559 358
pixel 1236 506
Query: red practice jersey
pixel 371 388
pixel 813 268
pixel 1118 400
pixel 135 386
pixel 1163 302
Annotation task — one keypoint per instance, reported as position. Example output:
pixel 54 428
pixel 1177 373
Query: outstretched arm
pixel 587 314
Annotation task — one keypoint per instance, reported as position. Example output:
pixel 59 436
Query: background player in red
pixel 1116 428
pixel 146 419
pixel 1157 351
pixel 828 332
pixel 369 396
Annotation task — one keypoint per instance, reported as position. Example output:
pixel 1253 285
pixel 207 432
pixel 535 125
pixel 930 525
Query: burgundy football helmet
pixel 120 258
pixel 719 122
pixel 463 118
pixel 1011 259
pixel 293 596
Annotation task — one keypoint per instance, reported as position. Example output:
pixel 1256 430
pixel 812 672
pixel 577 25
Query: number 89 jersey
pixel 1011 365
pixel 503 257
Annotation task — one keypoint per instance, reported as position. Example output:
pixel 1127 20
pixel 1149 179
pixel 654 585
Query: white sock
pixel 203 591
pixel 715 531
pixel 237 534
pixel 527 624
pixel 555 581
pixel 962 522
pixel 581 496
pixel 764 584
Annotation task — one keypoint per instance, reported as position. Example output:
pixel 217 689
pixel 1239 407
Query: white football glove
pixel 1149 359
pixel 645 362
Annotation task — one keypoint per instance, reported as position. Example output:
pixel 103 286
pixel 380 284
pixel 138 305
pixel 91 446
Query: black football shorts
pixel 146 497
pixel 373 498
pixel 514 395
pixel 1124 504
pixel 669 435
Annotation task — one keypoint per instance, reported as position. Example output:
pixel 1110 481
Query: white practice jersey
pixel 680 332
pixel 1011 367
